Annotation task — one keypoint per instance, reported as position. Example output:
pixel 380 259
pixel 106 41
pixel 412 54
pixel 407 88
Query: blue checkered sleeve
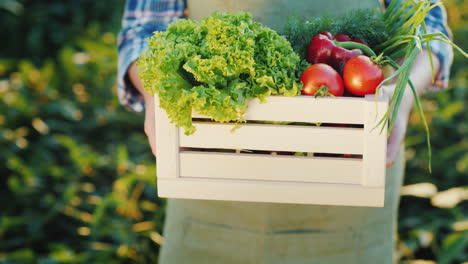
pixel 436 22
pixel 140 19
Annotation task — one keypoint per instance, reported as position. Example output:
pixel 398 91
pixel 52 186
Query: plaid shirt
pixel 142 17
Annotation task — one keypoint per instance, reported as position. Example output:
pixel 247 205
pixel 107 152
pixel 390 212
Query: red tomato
pixel 319 75
pixel 362 76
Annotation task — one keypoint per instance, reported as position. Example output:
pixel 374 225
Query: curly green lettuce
pixel 215 66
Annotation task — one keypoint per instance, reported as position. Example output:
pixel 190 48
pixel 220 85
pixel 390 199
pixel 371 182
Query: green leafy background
pixel 77 178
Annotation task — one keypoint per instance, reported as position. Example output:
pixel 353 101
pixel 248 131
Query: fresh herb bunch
pixel 216 66
pixel 365 24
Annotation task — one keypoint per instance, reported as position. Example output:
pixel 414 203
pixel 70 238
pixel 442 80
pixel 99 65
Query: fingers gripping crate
pixel 208 165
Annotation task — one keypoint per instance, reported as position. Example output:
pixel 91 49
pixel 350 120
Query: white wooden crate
pixel 194 167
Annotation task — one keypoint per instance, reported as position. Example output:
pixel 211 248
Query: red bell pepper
pixel 341 37
pixel 335 50
pixel 320 48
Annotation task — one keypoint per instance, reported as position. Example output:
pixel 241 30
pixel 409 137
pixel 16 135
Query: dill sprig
pixel 365 24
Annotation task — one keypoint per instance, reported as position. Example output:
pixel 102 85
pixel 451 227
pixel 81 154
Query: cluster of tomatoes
pixel 339 67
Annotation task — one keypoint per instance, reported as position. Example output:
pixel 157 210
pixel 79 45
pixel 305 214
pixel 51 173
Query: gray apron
pixel 227 232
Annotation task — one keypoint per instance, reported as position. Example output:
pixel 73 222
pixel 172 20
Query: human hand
pixel 149 125
pixel 421 76
pixel 398 132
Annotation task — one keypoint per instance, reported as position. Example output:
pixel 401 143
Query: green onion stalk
pixel 408 34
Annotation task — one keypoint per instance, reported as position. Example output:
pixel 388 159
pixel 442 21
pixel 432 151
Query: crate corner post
pixel 167 150
pixel 375 145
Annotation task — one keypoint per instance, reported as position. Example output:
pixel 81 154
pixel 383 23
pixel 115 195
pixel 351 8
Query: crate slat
pixel 343 110
pixel 271 191
pixel 375 147
pixel 276 138
pixel 268 167
pixel 198 174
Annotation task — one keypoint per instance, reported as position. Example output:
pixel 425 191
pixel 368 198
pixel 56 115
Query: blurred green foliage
pixel 77 177
pixel 436 227
pixel 37 29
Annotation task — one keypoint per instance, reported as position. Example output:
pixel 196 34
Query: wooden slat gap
pixel 327 126
pixel 268 122
pixel 232 152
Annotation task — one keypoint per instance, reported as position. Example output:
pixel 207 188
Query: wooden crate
pixel 209 165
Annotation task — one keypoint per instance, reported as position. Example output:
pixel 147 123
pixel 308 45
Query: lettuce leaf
pixel 215 66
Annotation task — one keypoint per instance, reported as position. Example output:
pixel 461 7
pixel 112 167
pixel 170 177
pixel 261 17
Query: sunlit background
pixel 76 175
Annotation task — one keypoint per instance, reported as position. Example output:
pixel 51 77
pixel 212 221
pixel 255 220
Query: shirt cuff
pixel 436 23
pixel 128 95
pixel 444 53
pixel 132 43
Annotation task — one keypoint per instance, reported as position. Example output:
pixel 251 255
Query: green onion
pixel 405 22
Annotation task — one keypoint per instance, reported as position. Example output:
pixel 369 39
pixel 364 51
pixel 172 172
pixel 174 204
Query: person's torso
pixel 274 13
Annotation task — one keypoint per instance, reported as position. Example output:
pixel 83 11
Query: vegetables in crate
pixel 397 33
pixel 361 74
pixel 214 67
pixel 335 50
